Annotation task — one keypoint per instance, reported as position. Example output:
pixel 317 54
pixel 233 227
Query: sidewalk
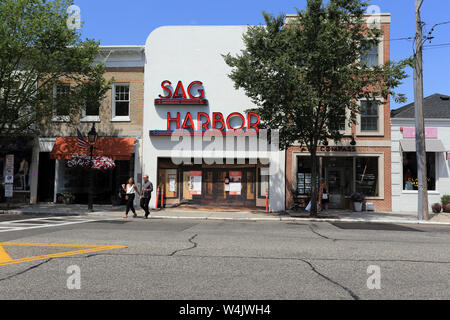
pixel 110 211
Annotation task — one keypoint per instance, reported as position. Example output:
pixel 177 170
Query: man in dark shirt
pixel 147 189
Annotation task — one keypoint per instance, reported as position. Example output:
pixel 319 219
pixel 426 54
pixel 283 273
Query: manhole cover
pixel 372 226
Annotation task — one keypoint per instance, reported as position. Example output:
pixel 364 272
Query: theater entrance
pixel 221 187
pixel 212 185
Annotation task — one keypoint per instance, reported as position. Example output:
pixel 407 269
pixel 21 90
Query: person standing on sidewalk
pixel 323 195
pixel 131 191
pixel 147 189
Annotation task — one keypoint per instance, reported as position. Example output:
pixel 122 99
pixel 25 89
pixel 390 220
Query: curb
pixel 285 219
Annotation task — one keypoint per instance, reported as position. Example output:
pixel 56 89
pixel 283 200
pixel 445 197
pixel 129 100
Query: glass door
pixel 335 179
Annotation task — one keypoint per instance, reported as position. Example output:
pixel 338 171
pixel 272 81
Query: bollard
pixel 267 200
pixel 157 197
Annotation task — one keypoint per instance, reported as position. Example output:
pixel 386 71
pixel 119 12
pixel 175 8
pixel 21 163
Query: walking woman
pixel 324 197
pixel 131 191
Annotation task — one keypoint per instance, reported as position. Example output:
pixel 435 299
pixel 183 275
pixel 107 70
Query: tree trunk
pixel 314 190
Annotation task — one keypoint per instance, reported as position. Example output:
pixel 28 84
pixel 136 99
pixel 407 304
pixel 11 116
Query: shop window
pixel 304 176
pixel 369 116
pixel 121 103
pixel 367 176
pixel 410 179
pixel 168 178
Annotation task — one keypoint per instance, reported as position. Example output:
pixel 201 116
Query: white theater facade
pixel 201 145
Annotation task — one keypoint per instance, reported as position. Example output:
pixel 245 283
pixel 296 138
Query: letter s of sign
pixel 74 20
pixel 164 87
pixel 74 280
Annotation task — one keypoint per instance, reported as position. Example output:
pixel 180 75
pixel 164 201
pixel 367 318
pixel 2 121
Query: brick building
pixel 362 167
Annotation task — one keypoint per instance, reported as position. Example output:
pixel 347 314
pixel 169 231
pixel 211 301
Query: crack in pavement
pixel 350 292
pixel 321 235
pixel 26 270
pixel 185 249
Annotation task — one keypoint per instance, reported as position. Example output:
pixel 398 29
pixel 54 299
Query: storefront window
pixel 367 176
pixel 410 180
pixel 304 176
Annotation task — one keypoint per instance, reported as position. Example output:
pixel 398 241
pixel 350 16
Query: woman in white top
pixel 131 191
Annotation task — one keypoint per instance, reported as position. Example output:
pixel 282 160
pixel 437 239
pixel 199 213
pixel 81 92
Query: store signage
pixel 9 177
pixel 8 190
pixel 430 133
pixel 216 122
pixel 180 96
pixel 332 149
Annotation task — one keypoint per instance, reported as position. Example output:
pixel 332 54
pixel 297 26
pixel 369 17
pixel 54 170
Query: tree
pixel 304 74
pixel 37 53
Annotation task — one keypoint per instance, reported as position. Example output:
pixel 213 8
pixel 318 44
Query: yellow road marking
pixel 5 259
pixel 4 256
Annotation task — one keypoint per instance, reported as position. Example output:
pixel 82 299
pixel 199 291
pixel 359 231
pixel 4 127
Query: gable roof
pixel 436 106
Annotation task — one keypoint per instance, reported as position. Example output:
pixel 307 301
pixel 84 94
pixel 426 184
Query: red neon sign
pixel 180 95
pixel 217 122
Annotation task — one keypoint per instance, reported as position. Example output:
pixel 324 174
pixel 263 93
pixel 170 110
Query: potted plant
pixel 436 207
pixel 357 199
pixel 68 198
pixel 445 199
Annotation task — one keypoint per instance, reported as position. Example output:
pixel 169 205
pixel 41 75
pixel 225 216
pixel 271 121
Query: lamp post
pixel 92 137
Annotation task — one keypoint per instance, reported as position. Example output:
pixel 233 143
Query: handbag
pixel 325 196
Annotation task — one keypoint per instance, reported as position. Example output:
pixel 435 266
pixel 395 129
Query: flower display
pixel 98 162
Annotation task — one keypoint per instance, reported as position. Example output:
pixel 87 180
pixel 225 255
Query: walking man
pixel 147 189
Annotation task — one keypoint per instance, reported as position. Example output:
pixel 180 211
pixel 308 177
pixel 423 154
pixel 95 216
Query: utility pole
pixel 420 125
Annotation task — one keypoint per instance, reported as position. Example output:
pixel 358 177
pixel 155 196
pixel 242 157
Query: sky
pixel 115 22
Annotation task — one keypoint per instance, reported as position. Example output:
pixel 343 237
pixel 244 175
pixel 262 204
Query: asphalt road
pixel 232 260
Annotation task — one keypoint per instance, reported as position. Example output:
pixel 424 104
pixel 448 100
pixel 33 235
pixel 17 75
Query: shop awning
pixel 431 145
pixel 115 148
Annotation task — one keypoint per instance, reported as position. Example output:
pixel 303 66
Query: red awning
pixel 114 148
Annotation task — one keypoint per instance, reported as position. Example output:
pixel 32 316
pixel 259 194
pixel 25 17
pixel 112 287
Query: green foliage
pixel 37 51
pixel 304 74
pixel 445 199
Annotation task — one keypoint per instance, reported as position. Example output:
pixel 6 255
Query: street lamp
pixel 92 137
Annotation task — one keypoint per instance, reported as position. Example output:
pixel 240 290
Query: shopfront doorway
pixel 228 187
pixel 211 185
pixel 338 172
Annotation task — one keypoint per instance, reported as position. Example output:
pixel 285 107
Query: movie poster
pixel 195 182
pixel 235 183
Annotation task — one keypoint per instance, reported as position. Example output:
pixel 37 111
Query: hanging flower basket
pixel 84 161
